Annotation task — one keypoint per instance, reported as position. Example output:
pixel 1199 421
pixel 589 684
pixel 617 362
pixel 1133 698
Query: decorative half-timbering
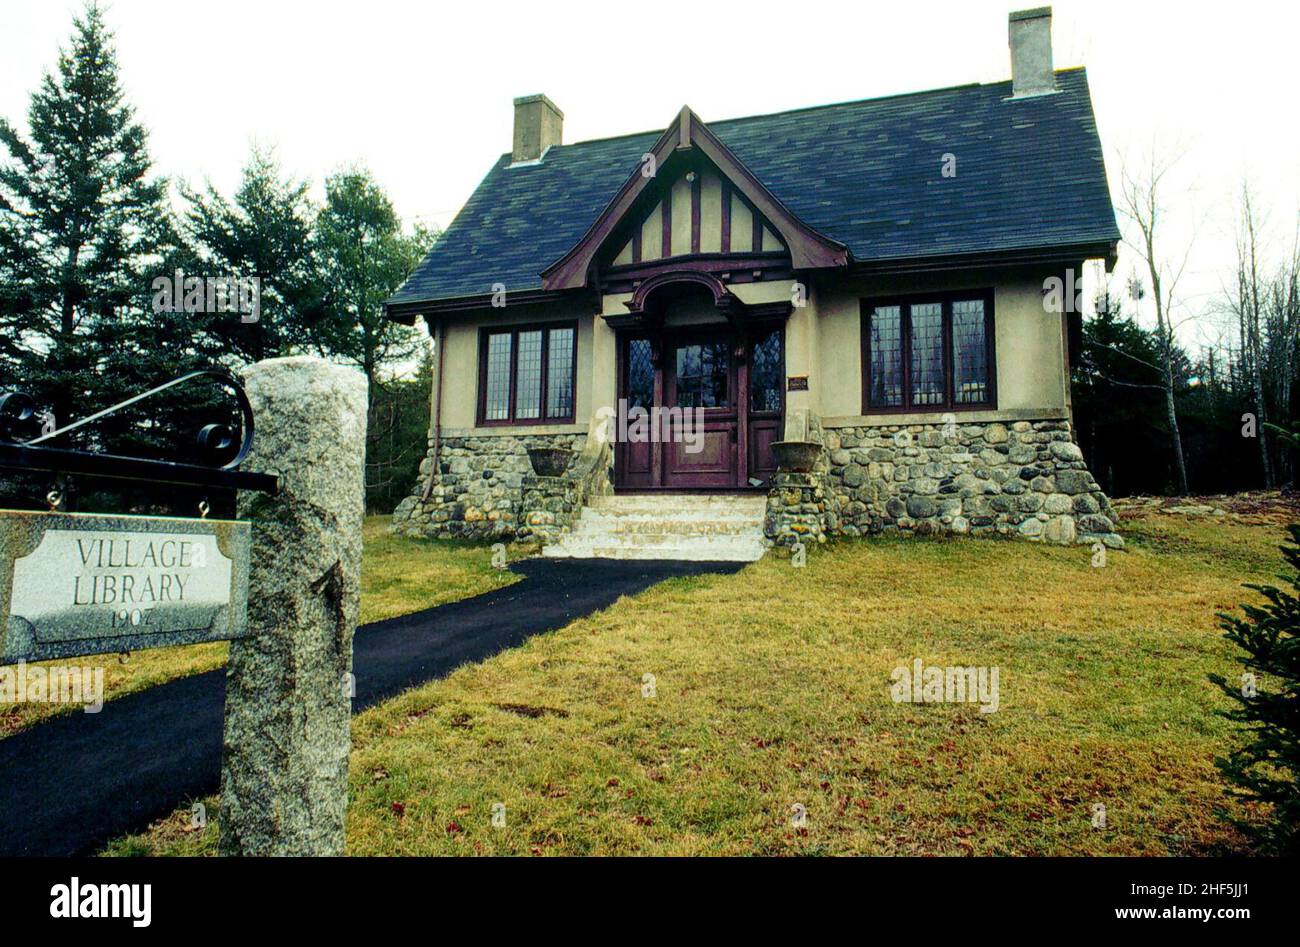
pixel 663 199
pixel 699 213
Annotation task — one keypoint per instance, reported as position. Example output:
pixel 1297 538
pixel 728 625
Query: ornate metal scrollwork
pixel 18 410
pixel 220 451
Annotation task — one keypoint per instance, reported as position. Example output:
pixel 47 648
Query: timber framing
pixel 808 249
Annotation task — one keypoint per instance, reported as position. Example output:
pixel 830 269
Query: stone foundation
pixel 797 509
pixel 1022 478
pixel 1025 478
pixel 478 489
pixel 552 505
pixel 800 507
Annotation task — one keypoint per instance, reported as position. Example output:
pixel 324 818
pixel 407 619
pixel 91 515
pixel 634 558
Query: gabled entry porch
pixel 700 382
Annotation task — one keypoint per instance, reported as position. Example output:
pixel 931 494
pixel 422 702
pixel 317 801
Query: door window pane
pixel 702 375
pixel 927 353
pixel 886 357
pixel 496 405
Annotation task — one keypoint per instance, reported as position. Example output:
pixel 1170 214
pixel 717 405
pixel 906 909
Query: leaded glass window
pixel 928 354
pixel 703 372
pixel 527 375
pixel 765 374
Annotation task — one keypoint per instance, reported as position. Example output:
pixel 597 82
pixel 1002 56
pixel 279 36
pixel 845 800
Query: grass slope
pixel 773 690
pixel 398 576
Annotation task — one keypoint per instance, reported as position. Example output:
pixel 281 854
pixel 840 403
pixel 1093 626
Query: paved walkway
pixel 70 784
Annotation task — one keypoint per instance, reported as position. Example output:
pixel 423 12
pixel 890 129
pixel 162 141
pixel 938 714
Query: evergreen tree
pixel 1267 767
pixel 364 257
pixel 82 227
pixel 1119 414
pixel 264 232
pixel 397 436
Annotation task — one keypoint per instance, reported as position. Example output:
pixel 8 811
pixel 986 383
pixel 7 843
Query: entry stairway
pixel 700 527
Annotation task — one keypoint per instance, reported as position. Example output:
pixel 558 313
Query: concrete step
pixel 670 502
pixel 685 522
pixel 701 549
pixel 700 527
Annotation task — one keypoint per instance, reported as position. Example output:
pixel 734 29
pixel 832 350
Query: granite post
pixel 288 711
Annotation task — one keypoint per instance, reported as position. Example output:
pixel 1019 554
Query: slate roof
pixel 1030 175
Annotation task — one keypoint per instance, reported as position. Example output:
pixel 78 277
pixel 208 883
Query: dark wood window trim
pixel 545 328
pixel 946 299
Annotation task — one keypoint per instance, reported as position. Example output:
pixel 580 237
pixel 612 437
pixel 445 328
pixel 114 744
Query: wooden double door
pixel 733 377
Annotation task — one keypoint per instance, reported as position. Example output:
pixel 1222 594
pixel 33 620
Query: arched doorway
pixel 700 387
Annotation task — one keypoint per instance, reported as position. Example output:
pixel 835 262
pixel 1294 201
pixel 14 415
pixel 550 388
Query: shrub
pixel 1267 697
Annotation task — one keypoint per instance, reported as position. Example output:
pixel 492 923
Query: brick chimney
pixel 538 125
pixel 1030 36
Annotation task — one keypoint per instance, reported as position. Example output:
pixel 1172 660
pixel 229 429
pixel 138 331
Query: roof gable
pixel 808 248
pixel 693 210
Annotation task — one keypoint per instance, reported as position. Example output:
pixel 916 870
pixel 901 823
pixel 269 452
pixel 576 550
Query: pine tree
pixel 265 231
pixel 364 257
pixel 82 226
pixel 1267 696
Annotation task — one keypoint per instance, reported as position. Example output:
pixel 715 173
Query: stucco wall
pixel 460 372
pixel 1029 345
pixel 823 342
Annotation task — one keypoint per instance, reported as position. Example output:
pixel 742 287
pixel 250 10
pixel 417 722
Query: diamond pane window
pixel 640 374
pixel 928 355
pixel 765 374
pixel 886 329
pixel 527 375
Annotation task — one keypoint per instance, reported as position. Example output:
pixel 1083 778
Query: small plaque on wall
pixel 796 383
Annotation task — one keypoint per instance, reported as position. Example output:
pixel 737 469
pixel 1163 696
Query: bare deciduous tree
pixel 1246 305
pixel 1264 301
pixel 1141 203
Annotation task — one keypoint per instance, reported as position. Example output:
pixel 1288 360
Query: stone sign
pixel 80 583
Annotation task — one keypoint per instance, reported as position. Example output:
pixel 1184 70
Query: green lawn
pixel 398 576
pixel 773 691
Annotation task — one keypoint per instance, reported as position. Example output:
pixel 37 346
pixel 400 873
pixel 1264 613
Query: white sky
pixel 421 91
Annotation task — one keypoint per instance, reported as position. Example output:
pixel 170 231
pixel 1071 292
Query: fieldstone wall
pixel 1025 478
pixel 478 489
pixel 551 505
pixel 797 509
pixel 800 508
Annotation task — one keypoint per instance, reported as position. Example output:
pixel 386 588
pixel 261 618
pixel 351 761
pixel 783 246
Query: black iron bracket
pixel 18 409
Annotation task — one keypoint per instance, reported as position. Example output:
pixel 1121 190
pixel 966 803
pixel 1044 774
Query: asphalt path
pixel 72 783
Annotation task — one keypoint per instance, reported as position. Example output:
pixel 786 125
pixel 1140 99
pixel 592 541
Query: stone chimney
pixel 538 125
pixel 1030 36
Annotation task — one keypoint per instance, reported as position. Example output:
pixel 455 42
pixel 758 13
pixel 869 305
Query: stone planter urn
pixel 549 461
pixel 796 456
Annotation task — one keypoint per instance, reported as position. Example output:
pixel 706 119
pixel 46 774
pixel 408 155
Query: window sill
pixel 936 417
pixel 513 430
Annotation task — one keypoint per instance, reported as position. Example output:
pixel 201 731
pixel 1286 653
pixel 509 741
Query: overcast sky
pixel 421 91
